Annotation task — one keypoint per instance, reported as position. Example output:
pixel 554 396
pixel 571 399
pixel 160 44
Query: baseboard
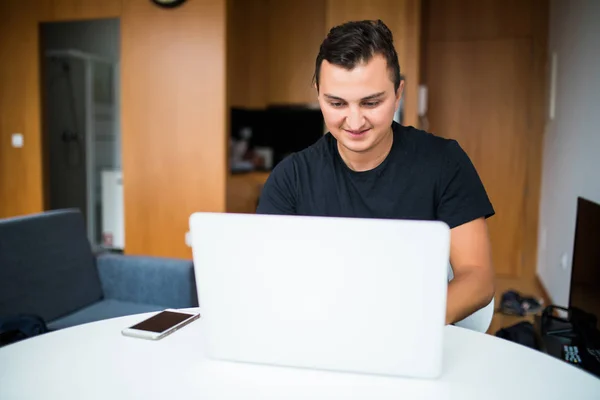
pixel 545 296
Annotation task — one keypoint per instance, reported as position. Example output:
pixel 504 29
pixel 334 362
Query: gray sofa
pixel 47 269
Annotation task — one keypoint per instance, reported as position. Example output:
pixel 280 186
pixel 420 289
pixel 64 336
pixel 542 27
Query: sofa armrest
pixel 165 282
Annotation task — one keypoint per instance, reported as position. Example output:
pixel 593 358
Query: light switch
pixel 564 261
pixel 17 140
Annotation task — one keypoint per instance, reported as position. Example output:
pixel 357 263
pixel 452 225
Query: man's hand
pixel 473 285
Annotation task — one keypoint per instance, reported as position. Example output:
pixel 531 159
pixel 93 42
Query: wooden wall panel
pixel 247 53
pixel 173 112
pixel 70 10
pixel 173 120
pixel 486 89
pixel 21 178
pixel 537 124
pixel 243 191
pixel 403 17
pixel 484 106
pixel 296 30
pixel 482 19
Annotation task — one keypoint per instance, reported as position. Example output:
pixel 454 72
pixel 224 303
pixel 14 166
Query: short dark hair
pixel 356 42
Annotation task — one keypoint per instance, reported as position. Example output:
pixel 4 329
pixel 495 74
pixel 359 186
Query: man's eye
pixel 336 104
pixel 372 103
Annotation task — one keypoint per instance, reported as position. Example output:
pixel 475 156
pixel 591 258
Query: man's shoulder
pixel 421 141
pixel 312 156
pixel 429 149
pixel 317 151
pixel 309 158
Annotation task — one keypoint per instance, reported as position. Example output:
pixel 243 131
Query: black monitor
pixel 293 128
pixel 284 129
pixel 585 273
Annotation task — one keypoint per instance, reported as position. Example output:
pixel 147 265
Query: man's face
pixel 358 105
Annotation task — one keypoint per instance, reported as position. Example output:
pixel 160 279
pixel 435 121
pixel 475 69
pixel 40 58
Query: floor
pixel 528 287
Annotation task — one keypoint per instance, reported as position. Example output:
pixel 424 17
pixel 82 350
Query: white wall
pixel 571 157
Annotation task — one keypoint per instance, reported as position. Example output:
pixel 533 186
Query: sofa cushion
pixel 150 280
pixel 104 309
pixel 46 265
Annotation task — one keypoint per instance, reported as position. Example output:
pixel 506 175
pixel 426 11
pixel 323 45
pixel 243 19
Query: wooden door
pixel 247 53
pixel 478 96
pixel 484 91
pixel 173 121
pixel 296 30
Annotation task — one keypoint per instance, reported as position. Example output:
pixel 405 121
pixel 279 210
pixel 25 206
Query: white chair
pixel 481 319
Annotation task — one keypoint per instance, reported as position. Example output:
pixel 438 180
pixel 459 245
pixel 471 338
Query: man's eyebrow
pixel 373 96
pixel 370 97
pixel 332 97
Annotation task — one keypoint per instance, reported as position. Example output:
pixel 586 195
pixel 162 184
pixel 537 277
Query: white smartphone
pixel 161 324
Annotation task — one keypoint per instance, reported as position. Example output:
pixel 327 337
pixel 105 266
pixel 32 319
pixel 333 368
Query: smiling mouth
pixel 357 133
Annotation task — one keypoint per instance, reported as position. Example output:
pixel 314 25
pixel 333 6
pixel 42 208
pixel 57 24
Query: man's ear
pixel 399 93
pixel 400 90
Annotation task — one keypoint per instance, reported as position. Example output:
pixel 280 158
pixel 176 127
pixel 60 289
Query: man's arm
pixel 473 285
pixel 464 206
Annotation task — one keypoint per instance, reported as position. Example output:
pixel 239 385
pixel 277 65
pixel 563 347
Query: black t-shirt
pixel 423 177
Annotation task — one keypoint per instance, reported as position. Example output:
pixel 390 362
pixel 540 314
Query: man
pixel 369 166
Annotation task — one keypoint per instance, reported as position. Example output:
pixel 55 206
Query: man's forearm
pixel 467 293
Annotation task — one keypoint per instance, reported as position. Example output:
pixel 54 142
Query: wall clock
pixel 168 3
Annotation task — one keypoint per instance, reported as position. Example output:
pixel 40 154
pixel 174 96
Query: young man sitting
pixel 369 166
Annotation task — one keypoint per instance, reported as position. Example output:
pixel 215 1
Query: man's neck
pixel 369 159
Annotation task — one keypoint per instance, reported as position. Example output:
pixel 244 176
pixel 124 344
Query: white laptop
pixel 341 294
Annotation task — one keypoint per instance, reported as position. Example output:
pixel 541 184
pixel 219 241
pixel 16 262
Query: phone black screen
pixel 161 321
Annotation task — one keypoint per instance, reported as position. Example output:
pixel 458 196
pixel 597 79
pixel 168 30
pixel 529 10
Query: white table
pixel 95 361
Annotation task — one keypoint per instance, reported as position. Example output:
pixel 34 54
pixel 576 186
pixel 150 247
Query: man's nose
pixel 355 119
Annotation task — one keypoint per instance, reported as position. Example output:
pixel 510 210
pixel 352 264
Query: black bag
pixel 18 327
pixel 522 333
